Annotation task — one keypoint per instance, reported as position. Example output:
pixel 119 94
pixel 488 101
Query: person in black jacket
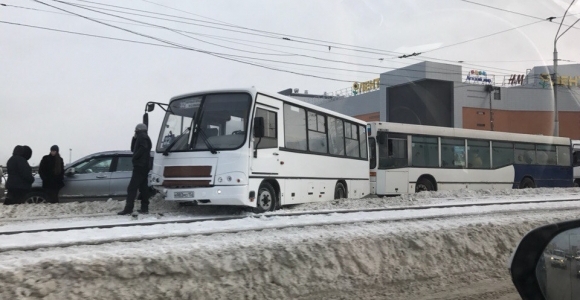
pixel 51 170
pixel 141 147
pixel 20 177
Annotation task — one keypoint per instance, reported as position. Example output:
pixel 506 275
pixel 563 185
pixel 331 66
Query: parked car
pixel 98 176
pixel 558 259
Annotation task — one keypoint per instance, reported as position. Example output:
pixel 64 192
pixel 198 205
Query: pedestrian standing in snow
pixel 141 147
pixel 51 171
pixel 20 177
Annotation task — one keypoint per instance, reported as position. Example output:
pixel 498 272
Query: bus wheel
pixel 424 185
pixel 527 183
pixel 35 197
pixel 339 191
pixel 266 200
pixel 576 183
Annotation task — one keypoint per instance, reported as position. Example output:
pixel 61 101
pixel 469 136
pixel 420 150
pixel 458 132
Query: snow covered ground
pixel 459 255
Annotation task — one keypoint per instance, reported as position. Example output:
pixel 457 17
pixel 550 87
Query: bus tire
pixel 527 183
pixel 424 185
pixel 36 197
pixel 576 183
pixel 339 191
pixel 266 200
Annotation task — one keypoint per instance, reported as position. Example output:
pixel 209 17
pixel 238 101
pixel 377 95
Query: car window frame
pixel 113 163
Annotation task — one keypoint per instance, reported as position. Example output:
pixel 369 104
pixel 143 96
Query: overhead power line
pixel 284 36
pixel 260 59
pixel 517 13
pixel 229 55
pixel 380 59
pixel 240 60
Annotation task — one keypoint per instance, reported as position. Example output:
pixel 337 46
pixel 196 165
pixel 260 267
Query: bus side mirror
pixel 150 107
pixel 146 119
pixel 259 127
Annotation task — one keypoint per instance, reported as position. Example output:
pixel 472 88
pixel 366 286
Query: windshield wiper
pixel 166 152
pixel 197 129
pixel 207 143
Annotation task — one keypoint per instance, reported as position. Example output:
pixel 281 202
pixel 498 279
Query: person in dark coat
pixel 20 179
pixel 51 170
pixel 141 147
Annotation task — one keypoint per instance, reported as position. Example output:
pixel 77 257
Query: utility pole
pixel 555 79
pixel 490 112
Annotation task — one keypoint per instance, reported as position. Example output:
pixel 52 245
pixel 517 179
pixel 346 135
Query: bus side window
pixel 270 138
pixel 576 156
pixel 396 152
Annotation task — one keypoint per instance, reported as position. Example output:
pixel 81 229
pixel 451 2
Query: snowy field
pixel 457 253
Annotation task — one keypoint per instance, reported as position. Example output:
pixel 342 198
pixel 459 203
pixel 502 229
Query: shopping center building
pixel 439 94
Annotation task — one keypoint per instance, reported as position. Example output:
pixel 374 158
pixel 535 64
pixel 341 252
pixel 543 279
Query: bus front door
pixel 267 159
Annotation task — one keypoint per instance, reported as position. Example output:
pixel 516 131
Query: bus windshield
pixel 207 122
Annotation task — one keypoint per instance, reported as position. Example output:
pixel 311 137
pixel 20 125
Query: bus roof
pixel 253 91
pixel 469 133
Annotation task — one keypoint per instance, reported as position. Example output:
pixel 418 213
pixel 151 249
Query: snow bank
pixel 387 260
pixel 441 197
pixel 158 205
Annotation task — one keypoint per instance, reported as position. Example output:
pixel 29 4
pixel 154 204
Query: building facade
pixel 439 94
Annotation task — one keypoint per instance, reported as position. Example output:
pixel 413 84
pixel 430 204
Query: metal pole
pixel 69 155
pixel 555 87
pixel 490 111
pixel 555 81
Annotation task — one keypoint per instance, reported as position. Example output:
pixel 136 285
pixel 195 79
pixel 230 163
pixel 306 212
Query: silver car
pixel 98 176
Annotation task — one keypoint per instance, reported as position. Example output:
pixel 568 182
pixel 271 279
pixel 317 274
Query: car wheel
pixel 266 200
pixel 36 197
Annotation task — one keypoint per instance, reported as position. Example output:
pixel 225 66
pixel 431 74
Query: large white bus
pixel 249 148
pixel 576 161
pixel 412 158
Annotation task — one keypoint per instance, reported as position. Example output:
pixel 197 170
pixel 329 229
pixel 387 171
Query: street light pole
pixel 555 80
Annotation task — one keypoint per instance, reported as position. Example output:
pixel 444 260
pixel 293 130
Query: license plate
pixel 183 194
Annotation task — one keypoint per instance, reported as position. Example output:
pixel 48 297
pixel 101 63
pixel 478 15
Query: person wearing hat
pixel 20 177
pixel 51 171
pixel 141 148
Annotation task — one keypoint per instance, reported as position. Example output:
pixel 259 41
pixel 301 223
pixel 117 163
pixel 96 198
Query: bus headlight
pixel 231 178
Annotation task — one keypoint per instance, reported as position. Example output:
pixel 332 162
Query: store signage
pixel 545 80
pixel 367 86
pixel 478 76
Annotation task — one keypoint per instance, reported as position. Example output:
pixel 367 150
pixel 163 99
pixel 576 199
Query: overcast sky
pixel 87 93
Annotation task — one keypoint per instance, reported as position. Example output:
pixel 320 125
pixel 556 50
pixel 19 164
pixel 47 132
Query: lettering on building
pixel 367 86
pixel 478 76
pixel 571 81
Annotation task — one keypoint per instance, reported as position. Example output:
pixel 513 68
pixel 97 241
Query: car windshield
pixel 559 253
pixel 215 121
